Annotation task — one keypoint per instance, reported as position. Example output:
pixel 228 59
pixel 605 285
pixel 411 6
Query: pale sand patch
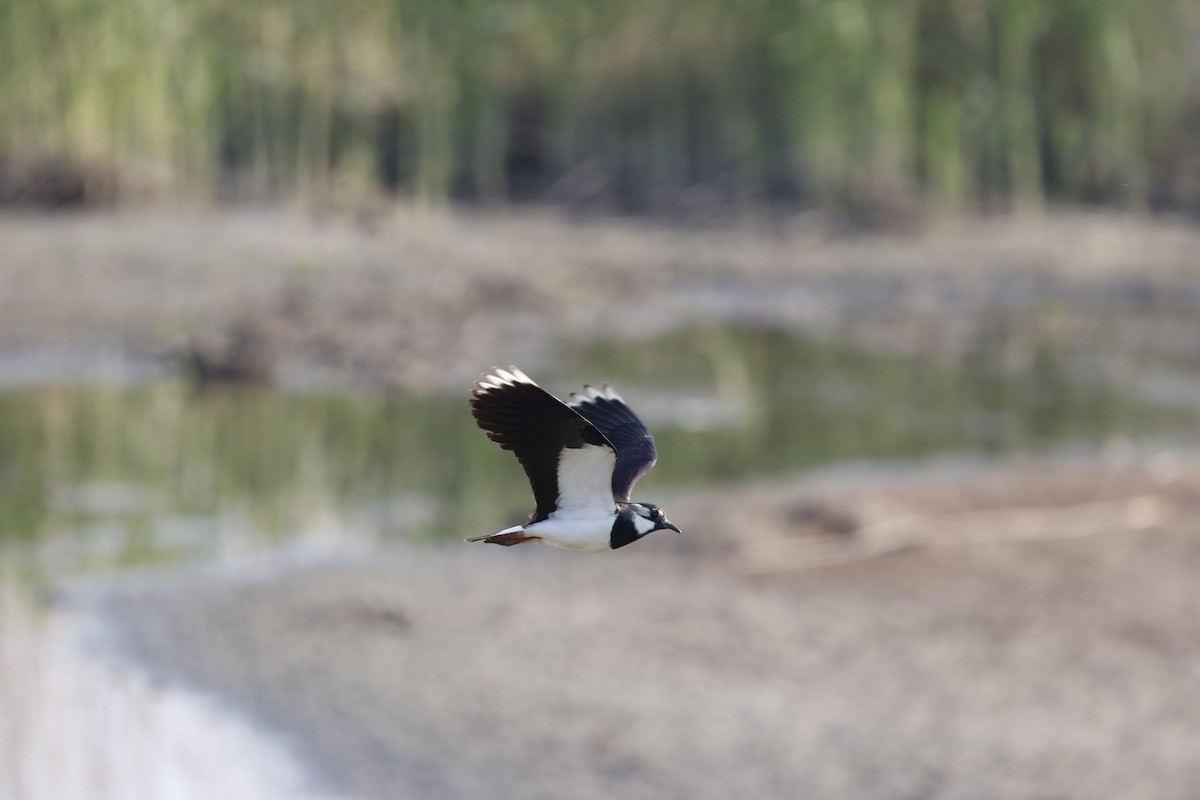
pixel 79 723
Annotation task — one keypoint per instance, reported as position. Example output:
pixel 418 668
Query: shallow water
pixel 100 476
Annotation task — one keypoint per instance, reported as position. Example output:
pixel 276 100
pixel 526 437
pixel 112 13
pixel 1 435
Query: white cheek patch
pixel 642 525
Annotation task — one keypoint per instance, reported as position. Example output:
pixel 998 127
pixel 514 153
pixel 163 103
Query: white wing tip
pixel 499 378
pixel 591 393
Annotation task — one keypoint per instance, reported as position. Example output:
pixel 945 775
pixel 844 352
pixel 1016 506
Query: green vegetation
pixel 626 105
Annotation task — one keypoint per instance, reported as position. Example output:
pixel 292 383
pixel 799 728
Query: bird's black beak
pixel 667 525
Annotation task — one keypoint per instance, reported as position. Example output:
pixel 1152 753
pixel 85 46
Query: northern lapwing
pixel 582 459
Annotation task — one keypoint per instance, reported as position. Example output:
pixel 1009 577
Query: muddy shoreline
pixel 428 300
pixel 1007 666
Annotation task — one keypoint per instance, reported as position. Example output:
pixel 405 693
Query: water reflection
pixel 104 476
pixel 807 402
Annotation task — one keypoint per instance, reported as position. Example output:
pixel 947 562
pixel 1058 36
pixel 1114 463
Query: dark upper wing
pixel 568 461
pixel 605 409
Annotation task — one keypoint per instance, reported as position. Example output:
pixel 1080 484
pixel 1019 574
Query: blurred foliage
pixel 623 105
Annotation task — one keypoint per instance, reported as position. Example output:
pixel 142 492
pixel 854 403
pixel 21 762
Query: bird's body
pixel 582 461
pixel 584 535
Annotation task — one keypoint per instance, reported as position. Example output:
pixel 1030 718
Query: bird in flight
pixel 582 459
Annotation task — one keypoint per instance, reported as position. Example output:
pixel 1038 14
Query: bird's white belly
pixel 585 535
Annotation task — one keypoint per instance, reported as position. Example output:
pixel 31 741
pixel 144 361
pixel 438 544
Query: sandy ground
pixel 422 300
pixel 1049 654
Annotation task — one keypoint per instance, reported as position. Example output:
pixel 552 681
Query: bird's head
pixel 648 518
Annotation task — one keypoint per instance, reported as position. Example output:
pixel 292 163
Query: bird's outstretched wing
pixel 636 454
pixel 568 460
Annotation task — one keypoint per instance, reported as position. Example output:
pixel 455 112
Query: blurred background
pixel 907 290
pixel 861 106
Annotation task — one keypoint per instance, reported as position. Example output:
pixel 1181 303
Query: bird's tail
pixel 506 537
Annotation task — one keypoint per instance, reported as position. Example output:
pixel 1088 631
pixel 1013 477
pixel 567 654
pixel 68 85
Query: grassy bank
pixel 608 103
